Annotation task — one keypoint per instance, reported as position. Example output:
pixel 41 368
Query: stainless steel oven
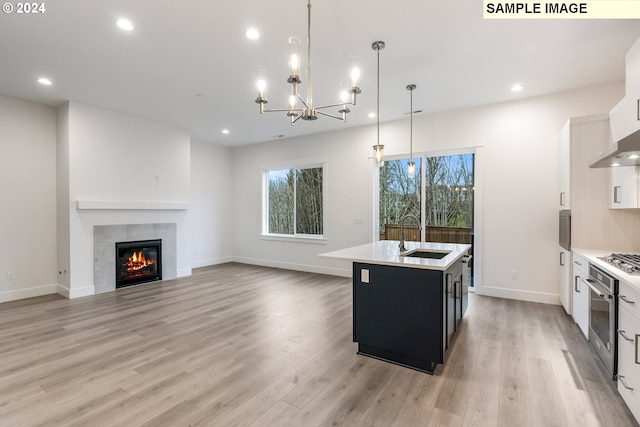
pixel 603 318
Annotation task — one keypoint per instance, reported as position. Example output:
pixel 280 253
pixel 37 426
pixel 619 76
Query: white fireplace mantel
pixel 123 205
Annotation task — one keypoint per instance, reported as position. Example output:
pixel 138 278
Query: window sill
pixel 320 240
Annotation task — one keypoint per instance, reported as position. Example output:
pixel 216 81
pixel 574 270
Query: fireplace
pixel 138 262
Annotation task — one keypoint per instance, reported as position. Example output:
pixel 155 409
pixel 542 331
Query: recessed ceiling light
pixel 372 115
pixel 252 34
pixel 225 131
pixel 615 164
pixel 634 156
pixel 517 88
pixel 45 81
pixel 124 24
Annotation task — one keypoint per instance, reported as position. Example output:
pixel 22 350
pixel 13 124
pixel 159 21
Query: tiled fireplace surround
pixel 104 242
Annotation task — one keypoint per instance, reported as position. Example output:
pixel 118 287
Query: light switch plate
pixel 364 276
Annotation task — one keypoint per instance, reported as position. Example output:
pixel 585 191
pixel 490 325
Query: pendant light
pixel 411 165
pixel 378 149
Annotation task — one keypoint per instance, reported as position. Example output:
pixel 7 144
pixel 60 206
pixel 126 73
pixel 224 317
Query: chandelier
pixel 307 111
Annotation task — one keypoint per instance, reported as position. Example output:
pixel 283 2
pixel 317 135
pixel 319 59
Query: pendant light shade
pixel 411 169
pixel 378 149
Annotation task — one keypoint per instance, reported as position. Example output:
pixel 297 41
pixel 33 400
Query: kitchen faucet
pixel 401 245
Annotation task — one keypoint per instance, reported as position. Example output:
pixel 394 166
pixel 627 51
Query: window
pixel 294 202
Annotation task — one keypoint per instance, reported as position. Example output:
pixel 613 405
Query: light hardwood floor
pixel 241 345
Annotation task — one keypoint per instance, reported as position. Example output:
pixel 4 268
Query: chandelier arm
pixel 303 101
pixel 340 104
pixel 330 115
pixel 281 110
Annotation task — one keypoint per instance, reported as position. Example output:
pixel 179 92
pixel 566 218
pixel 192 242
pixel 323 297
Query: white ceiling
pixel 186 48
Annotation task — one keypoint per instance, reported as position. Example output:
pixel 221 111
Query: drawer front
pixel 580 265
pixel 629 360
pixel 629 298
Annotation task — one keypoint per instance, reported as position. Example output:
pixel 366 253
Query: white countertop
pixel 386 252
pixel 593 256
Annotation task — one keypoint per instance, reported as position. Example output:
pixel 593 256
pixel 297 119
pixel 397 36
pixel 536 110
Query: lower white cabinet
pixel 628 347
pixel 580 314
pixel 564 279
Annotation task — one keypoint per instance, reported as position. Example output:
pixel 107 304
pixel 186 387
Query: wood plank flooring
pixel 242 345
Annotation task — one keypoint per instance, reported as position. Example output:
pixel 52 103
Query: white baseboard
pixel 76 292
pixel 184 272
pixel 209 262
pixel 37 291
pixel 297 267
pixel 517 294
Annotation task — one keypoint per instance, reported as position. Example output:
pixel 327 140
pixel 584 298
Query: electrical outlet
pixel 514 275
pixel 10 276
pixel 364 276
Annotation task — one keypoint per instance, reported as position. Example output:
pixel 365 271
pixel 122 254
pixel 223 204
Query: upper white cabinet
pixel 624 189
pixel 625 117
pixel 581 139
pixel 564 198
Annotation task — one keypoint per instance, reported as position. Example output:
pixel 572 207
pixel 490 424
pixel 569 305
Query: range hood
pixel 625 152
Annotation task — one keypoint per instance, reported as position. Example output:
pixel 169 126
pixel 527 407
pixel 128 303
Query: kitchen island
pixel 406 308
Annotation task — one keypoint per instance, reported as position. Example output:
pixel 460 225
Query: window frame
pixel 308 163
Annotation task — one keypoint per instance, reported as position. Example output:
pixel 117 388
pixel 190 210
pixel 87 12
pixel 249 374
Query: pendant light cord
pixel 378 104
pixel 411 133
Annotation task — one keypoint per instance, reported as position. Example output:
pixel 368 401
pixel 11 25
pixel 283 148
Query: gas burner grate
pixel 630 259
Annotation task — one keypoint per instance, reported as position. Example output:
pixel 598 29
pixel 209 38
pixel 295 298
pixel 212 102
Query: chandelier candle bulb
pixel 261 85
pixel 294 59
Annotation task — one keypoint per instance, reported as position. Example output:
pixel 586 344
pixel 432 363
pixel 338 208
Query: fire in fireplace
pixel 138 262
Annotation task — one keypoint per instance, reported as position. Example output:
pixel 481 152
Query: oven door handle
pixel 601 294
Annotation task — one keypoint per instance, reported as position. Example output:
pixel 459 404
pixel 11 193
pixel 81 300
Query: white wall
pixel 519 178
pixel 119 158
pixel 28 207
pixel 210 216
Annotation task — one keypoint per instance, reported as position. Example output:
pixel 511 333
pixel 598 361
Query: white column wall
pixel 28 207
pixel 210 215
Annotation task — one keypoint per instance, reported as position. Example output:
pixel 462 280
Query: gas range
pixel 629 263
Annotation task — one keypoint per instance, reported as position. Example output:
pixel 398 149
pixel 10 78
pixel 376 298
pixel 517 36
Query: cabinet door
pixel 399 310
pixel 564 279
pixel 580 304
pixel 580 301
pixel 564 198
pixel 451 307
pixel 628 360
pixel 633 87
pixel 623 189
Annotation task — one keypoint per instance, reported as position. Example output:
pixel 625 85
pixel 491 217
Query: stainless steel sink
pixel 426 253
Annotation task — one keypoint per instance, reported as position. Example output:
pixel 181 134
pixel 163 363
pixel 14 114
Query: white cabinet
pixel 623 188
pixel 628 347
pixel 625 117
pixel 564 279
pixel 565 167
pixel 580 303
